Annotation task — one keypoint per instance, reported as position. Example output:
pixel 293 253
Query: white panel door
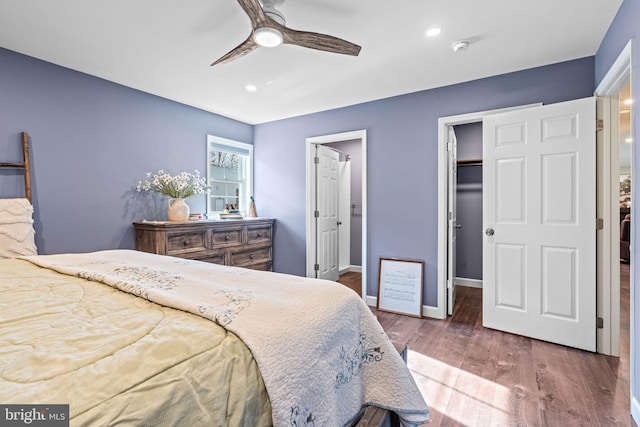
pixel 539 199
pixel 452 226
pixel 327 217
pixel 344 218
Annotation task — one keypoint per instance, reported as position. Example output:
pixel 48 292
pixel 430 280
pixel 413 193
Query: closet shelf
pixel 469 162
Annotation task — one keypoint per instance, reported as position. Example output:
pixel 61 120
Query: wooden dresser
pixel 243 243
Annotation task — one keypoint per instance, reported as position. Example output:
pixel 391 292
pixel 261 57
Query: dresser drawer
pixel 228 237
pixel 259 234
pixel 186 242
pixel 214 259
pixel 264 266
pixel 255 256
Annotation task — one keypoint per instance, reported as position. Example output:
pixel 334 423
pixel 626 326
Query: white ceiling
pixel 164 47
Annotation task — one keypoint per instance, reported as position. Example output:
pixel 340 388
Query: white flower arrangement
pixel 179 186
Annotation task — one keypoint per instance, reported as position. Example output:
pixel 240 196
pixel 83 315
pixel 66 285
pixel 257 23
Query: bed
pixel 84 330
pixel 131 338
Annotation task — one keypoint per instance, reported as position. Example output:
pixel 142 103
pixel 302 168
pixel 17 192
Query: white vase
pixel 178 210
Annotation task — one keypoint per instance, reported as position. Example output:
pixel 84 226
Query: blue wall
pixel 402 161
pixel 625 27
pixel 91 142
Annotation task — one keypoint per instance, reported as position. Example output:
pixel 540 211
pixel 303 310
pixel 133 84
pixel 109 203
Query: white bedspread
pixel 321 352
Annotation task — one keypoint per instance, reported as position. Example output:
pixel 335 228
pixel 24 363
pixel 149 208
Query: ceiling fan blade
pixel 241 50
pixel 317 41
pixel 254 11
pixel 308 39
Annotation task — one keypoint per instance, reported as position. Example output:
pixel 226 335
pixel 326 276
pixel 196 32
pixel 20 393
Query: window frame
pixel 234 147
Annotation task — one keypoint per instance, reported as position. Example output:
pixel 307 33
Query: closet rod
pixel 346 156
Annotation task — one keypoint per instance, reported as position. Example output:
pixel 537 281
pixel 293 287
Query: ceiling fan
pixel 268 30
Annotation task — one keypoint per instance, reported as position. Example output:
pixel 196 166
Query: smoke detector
pixel 460 45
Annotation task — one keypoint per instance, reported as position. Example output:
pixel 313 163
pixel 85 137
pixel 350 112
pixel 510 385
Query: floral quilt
pixel 322 354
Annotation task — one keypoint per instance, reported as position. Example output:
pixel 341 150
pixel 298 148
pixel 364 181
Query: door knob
pixel 489 232
pixel 458 226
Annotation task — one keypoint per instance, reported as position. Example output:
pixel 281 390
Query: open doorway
pixel 625 140
pixel 352 251
pixel 615 179
pixel 469 205
pixel 616 189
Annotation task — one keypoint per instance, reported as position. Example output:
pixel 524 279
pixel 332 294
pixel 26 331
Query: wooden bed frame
pixel 25 165
pixel 378 417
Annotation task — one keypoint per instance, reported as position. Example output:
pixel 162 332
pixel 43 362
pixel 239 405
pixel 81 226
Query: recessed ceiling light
pixel 432 32
pixel 251 88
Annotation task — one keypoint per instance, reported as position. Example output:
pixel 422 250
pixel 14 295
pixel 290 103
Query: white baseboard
pixel 371 301
pixel 430 311
pixel 635 409
pixel 471 283
pixel 350 269
pixel 427 310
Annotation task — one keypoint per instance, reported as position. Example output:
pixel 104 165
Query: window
pixel 230 175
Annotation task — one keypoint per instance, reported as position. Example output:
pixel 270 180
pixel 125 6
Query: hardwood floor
pixel 475 376
pixel 352 281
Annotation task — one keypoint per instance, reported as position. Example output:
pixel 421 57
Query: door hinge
pixel 316 160
pixel 599 125
pixel 449 146
pixel 599 323
pixel 450 284
pixel 599 224
pixel 450 215
pixel 316 267
pixel 316 214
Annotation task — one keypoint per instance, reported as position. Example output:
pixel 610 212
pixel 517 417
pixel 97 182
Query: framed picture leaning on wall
pixel 400 284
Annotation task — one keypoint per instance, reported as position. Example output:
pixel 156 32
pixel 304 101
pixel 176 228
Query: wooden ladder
pixel 24 165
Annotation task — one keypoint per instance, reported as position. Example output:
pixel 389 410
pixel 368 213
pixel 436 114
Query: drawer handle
pixel 258 235
pixel 185 243
pixel 226 237
pixel 252 256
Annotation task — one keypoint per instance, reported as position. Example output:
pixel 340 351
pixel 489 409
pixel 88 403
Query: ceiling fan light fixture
pixel 267 37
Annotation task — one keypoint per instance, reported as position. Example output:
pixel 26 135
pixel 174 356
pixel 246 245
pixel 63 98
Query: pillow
pixel 17 236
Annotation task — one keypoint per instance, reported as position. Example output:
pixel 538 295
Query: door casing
pixel 452 216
